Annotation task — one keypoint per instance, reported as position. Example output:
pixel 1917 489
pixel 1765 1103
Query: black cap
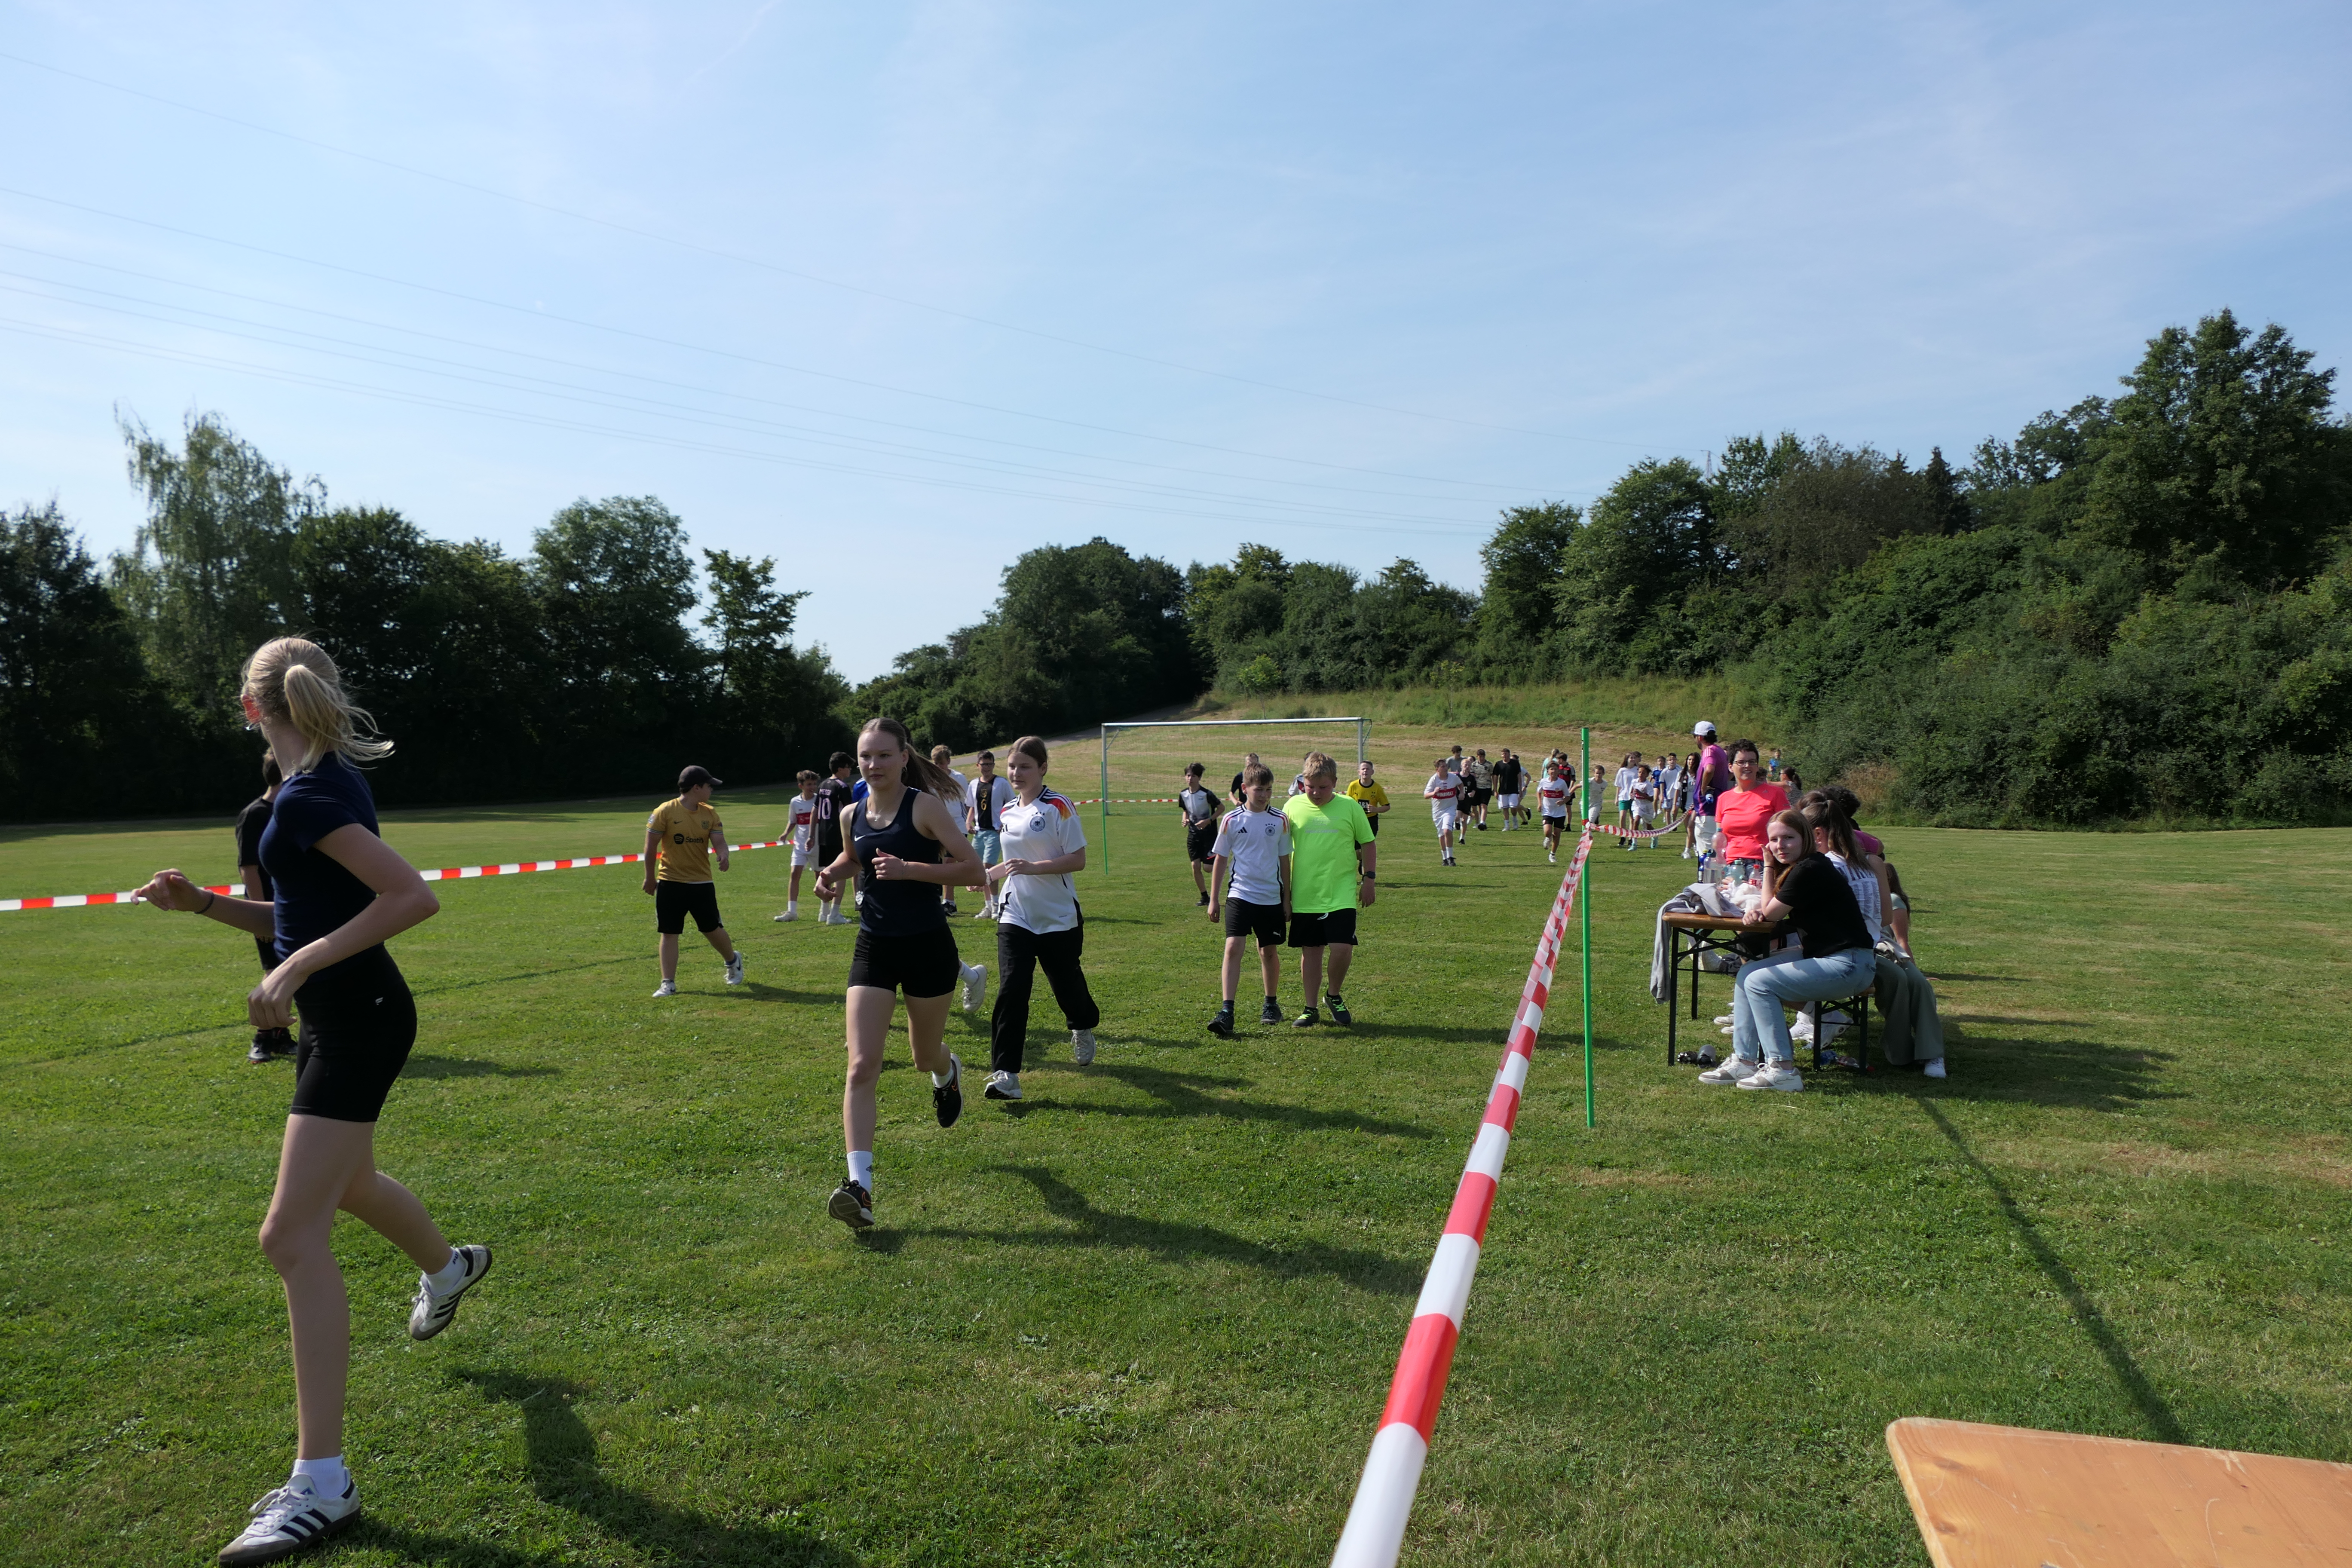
pixel 695 773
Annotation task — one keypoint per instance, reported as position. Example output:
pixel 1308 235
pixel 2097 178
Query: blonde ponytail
pixel 292 679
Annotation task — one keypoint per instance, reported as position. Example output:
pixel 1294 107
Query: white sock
pixel 450 1275
pixel 941 1079
pixel 792 906
pixel 861 1168
pixel 327 1476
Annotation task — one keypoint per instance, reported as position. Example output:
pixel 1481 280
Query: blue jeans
pixel 1758 1027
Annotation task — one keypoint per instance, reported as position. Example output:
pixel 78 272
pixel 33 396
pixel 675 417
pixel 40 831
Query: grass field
pixel 1157 1326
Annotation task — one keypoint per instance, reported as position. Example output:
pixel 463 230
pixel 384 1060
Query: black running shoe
pixel 1222 1024
pixel 947 1099
pixel 1307 1020
pixel 852 1204
pixel 270 1045
pixel 1270 1012
pixel 1204 901
pixel 1339 1014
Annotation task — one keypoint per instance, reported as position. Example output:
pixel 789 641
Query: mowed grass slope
pixel 1149 1316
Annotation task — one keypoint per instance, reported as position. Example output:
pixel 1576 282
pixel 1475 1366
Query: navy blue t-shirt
pixel 315 893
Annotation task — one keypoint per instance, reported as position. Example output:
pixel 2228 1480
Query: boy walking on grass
pixel 802 834
pixel 680 837
pixel 1249 891
pixel 1333 862
pixel 1198 807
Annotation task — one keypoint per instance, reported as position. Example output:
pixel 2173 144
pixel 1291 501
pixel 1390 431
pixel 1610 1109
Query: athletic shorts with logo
pixel 1329 928
pixel 1262 921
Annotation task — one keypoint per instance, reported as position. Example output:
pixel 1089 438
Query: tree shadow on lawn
pixel 565 1474
pixel 1171 1241
pixel 464 1066
pixel 2089 1074
pixel 1183 1094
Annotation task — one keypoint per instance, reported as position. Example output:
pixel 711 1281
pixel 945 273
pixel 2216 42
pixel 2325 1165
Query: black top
pixel 315 894
pixel 250 824
pixel 905 909
pixel 1506 777
pixel 1236 791
pixel 1822 906
pixel 831 799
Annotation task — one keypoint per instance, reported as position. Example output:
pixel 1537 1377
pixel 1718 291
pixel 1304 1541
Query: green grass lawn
pixel 1157 1325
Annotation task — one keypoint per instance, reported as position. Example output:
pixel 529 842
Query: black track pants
pixel 1019 952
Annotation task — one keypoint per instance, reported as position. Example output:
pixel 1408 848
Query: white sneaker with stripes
pixel 289 1519
pixel 431 1312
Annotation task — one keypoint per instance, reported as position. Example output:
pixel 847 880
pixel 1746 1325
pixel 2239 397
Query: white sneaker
pixel 1724 1018
pixel 1002 1085
pixel 1935 1067
pixel 789 915
pixel 429 1313
pixel 1730 1069
pixel 975 986
pixel 1553 857
pixel 1803 1029
pixel 1082 1046
pixel 985 913
pixel 735 968
pixel 292 1517
pixel 1782 1076
pixel 666 988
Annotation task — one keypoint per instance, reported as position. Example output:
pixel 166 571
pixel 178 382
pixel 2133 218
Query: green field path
pixel 1149 1315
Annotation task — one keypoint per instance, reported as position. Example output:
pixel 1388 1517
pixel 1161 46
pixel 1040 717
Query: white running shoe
pixel 1782 1076
pixel 1730 1069
pixel 1553 856
pixel 975 986
pixel 1935 1067
pixel 788 915
pixel 429 1313
pixel 1082 1046
pixel 289 1519
pixel 1002 1085
pixel 1803 1029
pixel 1724 1018
pixel 985 913
pixel 666 988
pixel 735 968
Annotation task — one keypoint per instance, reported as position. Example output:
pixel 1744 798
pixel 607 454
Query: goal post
pixel 1268 731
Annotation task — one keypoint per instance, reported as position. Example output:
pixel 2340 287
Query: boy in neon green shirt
pixel 1332 859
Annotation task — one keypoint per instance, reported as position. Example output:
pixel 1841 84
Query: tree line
pixel 2140 605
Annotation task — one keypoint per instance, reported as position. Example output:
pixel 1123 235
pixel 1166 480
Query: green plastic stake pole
pixel 1584 921
pixel 1106 800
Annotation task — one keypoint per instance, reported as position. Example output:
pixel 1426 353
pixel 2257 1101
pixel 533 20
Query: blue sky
pixel 895 292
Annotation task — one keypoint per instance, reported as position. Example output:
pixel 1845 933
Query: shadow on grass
pixel 1171 1241
pixel 422 991
pixel 565 1474
pixel 1455 1034
pixel 2086 1074
pixel 2094 1323
pixel 463 1067
pixel 752 990
pixel 1981 979
pixel 1184 1094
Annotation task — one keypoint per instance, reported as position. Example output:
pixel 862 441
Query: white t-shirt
pixel 1553 793
pixel 963 787
pixel 1445 792
pixel 1000 796
pixel 1254 843
pixel 1045 829
pixel 1644 796
pixel 804 829
pixel 1624 784
pixel 1865 883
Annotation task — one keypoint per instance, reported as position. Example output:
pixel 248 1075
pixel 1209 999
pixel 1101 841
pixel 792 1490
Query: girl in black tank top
pixel 905 846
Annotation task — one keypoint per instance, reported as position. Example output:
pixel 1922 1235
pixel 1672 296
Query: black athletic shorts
pixel 1262 921
pixel 1373 823
pixel 1332 928
pixel 1200 842
pixel 359 1023
pixel 673 901
pixel 925 963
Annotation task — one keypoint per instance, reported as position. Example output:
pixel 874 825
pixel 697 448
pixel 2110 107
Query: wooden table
pixel 2004 1497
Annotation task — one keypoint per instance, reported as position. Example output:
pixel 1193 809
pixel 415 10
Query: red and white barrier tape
pixel 1131 800
pixel 446 873
pixel 1375 1529
pixel 1673 826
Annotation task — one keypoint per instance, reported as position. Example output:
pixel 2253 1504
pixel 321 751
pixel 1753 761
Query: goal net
pixel 1142 765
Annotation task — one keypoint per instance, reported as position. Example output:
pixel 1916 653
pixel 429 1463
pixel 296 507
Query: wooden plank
pixel 2006 1497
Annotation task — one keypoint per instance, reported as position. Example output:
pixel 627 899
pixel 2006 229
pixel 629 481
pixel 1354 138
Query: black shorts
pixel 673 901
pixel 359 1023
pixel 1476 796
pixel 828 841
pixel 1262 921
pixel 1373 823
pixel 1331 928
pixel 925 963
pixel 1200 842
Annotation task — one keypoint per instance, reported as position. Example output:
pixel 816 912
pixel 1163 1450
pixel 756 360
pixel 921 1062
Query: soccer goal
pixel 1143 762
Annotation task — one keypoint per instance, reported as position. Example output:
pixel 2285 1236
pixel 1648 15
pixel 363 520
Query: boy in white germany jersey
pixel 801 832
pixel 1551 797
pixel 1443 793
pixel 1249 891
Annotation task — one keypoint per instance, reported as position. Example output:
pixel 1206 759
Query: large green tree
pixel 73 687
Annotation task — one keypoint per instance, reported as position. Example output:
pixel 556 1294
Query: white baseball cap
pixel 1701 727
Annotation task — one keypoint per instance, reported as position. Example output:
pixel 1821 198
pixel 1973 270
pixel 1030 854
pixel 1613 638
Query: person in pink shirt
pixel 1743 811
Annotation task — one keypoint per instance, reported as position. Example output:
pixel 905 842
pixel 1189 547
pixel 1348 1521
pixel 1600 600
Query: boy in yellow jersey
pixel 681 835
pixel 1373 797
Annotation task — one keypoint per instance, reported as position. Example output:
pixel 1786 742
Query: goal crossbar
pixel 1363 730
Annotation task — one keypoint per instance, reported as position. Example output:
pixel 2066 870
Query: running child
pixel 1443 793
pixel 802 833
pixel 339 894
pixel 1370 793
pixel 1645 806
pixel 1479 774
pixel 680 837
pixel 984 802
pixel 959 804
pixel 1552 798
pixel 902 843
pixel 1623 783
pixel 1249 892
pixel 1198 807
pixel 269 1045
pixel 834 797
pixel 1040 925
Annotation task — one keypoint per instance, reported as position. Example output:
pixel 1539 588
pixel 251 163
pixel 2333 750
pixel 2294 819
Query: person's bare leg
pixel 794 896
pixel 718 938
pixel 669 958
pixel 1311 974
pixel 316 1165
pixel 1200 879
pixel 395 1214
pixel 926 1030
pixel 1343 954
pixel 868 1031
pixel 1231 974
pixel 1270 965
